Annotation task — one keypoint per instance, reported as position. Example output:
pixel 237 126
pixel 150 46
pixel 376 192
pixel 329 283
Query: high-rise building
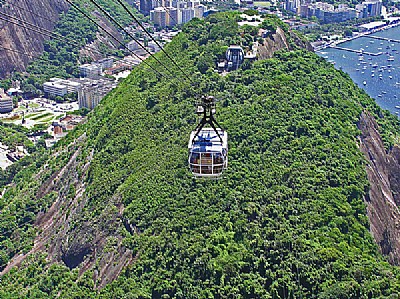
pixel 371 9
pixel 172 16
pixel 186 14
pixel 91 93
pixel 159 16
pixel 146 6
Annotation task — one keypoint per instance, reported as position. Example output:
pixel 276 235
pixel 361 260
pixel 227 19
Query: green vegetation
pixel 286 221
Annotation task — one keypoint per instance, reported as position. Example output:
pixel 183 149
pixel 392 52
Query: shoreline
pixel 347 39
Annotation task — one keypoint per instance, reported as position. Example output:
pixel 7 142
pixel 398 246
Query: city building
pixel 145 6
pixel 72 86
pixel 185 15
pixel 6 102
pixel 90 70
pixel 106 62
pixel 54 89
pixel 159 17
pixel 327 13
pixel 172 16
pixel 370 9
pixel 92 91
pixel 292 5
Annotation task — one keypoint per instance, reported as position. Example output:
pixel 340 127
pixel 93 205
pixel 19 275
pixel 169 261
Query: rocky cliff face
pixel 383 198
pixel 66 234
pixel 23 40
pixel 278 41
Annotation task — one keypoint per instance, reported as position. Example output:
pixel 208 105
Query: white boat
pixel 373 75
pixel 384 92
pixel 398 107
pixel 390 77
pixel 365 82
pixel 379 95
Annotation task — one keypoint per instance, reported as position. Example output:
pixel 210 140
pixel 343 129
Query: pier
pixel 383 38
pixel 356 51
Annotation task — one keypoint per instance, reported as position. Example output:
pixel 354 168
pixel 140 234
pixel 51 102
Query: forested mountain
pixel 113 212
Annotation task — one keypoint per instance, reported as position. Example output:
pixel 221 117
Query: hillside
pixel 81 40
pixel 113 212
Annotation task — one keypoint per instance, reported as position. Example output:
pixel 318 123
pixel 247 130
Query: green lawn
pixel 262 4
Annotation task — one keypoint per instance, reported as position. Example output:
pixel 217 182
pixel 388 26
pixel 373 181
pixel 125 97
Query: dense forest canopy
pixel 287 220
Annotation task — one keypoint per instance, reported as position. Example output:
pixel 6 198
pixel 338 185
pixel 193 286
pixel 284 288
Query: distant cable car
pixel 208 147
pixel 235 57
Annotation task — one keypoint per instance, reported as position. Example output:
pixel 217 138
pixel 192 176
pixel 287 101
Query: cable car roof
pixel 208 140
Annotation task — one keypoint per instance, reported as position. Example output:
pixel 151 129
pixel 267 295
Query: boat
pixel 398 107
pixel 365 82
pixel 384 92
pixel 391 58
pixel 375 65
pixel 390 77
pixel 373 75
pixel 357 70
pixel 379 95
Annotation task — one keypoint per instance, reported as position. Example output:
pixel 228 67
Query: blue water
pixel 380 81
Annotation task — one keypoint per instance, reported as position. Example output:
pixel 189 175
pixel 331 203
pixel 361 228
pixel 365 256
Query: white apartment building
pixel 55 89
pixel 71 85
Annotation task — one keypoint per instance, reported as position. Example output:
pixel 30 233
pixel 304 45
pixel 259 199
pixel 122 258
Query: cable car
pixel 235 57
pixel 208 146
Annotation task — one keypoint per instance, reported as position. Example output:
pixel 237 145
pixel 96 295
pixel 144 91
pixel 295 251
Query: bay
pixel 379 74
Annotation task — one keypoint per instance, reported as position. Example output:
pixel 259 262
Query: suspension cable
pixel 152 38
pixel 130 35
pixel 112 36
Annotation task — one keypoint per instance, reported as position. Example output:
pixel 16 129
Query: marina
pixel 378 74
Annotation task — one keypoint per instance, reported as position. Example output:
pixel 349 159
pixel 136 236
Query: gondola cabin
pixel 208 152
pixel 235 57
